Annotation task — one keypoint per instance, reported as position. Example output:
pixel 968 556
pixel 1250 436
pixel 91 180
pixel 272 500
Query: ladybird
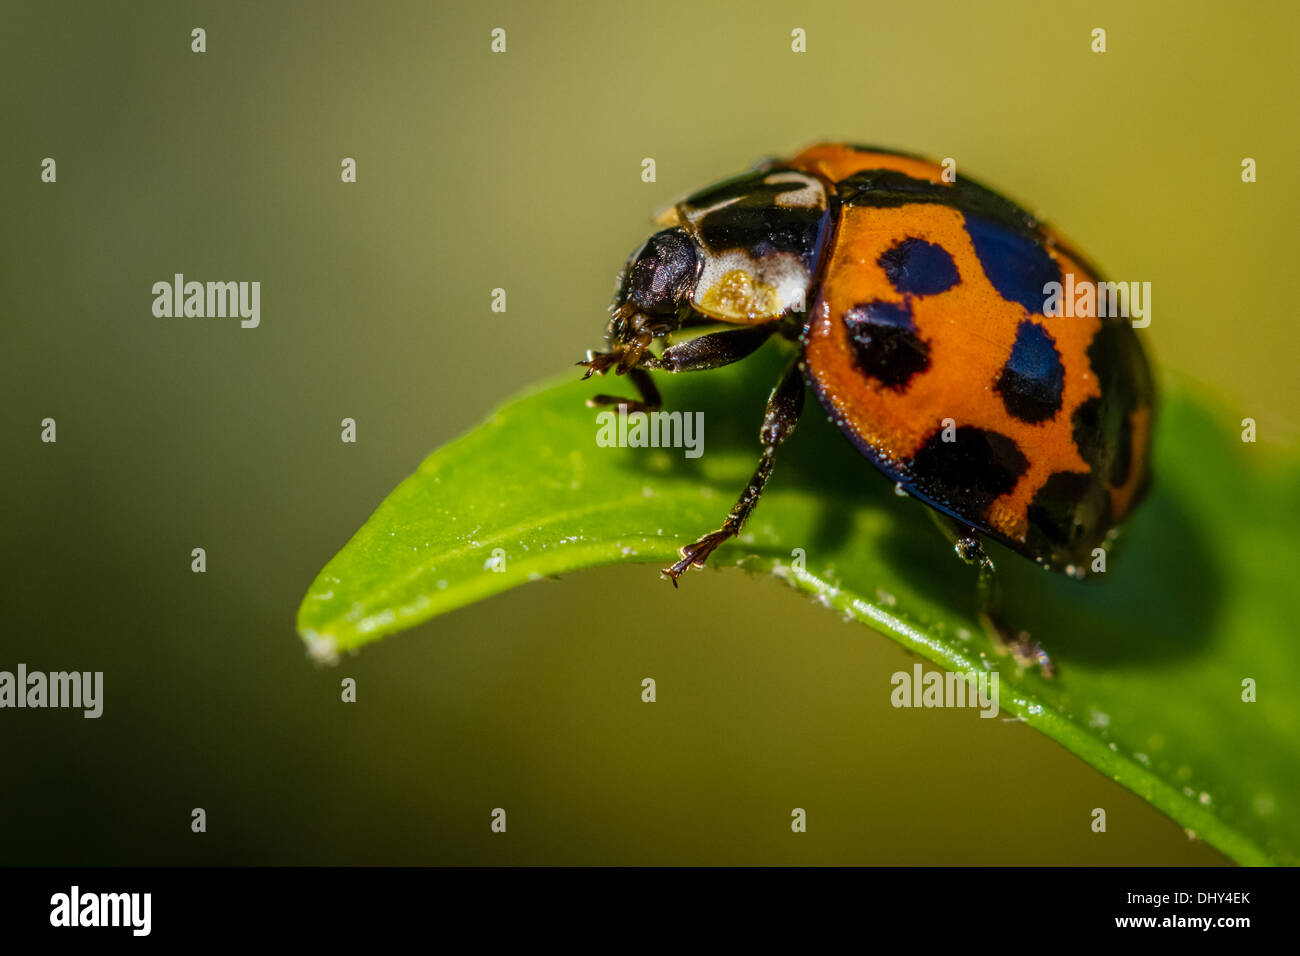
pixel 918 304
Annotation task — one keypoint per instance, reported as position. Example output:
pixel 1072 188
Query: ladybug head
pixel 654 293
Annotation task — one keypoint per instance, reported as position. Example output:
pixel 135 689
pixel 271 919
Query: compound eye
pixel 662 274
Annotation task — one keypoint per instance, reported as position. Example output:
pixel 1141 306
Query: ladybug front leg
pixel 645 387
pixel 784 406
pixel 966 542
pixel 699 354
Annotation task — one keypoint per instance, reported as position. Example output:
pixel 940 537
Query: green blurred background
pixel 522 171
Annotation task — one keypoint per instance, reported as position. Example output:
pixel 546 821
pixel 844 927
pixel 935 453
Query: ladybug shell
pixel 928 345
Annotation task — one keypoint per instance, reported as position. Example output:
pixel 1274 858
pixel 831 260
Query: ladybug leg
pixel 645 387
pixel 966 542
pixel 695 355
pixel 784 406
pixel 713 350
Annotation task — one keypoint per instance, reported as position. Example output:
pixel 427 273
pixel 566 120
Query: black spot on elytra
pixel 1033 379
pixel 917 267
pixel 1008 241
pixel 1103 426
pixel 885 343
pixel 1016 263
pixel 1068 517
pixel 965 475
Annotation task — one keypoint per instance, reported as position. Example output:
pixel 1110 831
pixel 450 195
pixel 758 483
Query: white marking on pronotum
pixel 810 195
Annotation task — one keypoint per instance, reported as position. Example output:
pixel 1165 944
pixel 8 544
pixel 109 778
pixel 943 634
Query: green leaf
pixel 1152 655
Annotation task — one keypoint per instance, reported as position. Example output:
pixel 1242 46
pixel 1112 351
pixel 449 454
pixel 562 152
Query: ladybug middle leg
pixel 966 542
pixel 784 407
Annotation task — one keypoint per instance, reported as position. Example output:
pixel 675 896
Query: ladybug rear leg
pixel 966 542
pixel 784 406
